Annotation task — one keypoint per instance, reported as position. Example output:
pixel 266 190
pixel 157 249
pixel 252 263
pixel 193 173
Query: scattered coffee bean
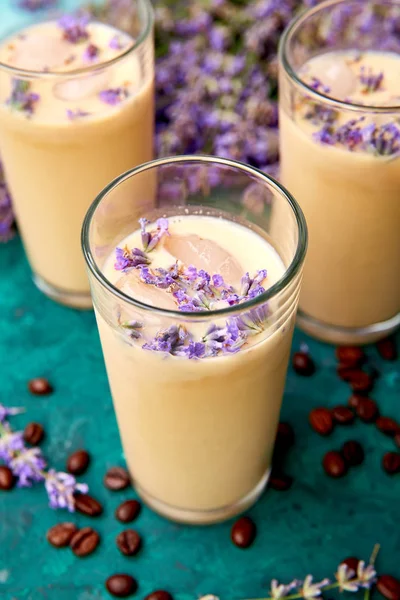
pixel 352 356
pixel 367 410
pixel 351 562
pixel 343 415
pixel 303 364
pixel 128 511
pixel 353 453
pixel 361 382
pixel 389 587
pixel 6 478
pixel 121 585
pixel 60 535
pixel 391 463
pixel 355 400
pixel 129 542
pixel 159 595
pixel 280 481
pixel 388 426
pixel 78 462
pixel 40 386
pixel 321 421
pixel 387 349
pixel 397 439
pixel 85 541
pixel 87 505
pixel 334 464
pixel 284 437
pixel 116 478
pixel 33 434
pixel 345 372
pixel 243 532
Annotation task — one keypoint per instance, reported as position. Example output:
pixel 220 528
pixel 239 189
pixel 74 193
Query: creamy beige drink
pixel 81 115
pixel 197 400
pixel 342 163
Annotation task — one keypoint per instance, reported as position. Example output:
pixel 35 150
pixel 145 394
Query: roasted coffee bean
pixel 87 505
pixel 60 535
pixel 280 481
pixel 361 382
pixel 78 462
pixel 284 436
pixel 243 532
pixel 7 479
pixel 397 439
pixel 128 511
pixel 345 372
pixel 388 426
pixel 351 562
pixel 353 453
pixel 391 463
pixel 40 386
pixel 85 541
pixel 129 542
pixel 303 364
pixel 387 349
pixel 33 433
pixel 121 585
pixel 116 478
pixel 159 595
pixel 353 356
pixel 389 587
pixel 343 415
pixel 334 465
pixel 321 421
pixel 367 410
pixel 355 400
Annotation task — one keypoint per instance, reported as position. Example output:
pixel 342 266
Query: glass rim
pixel 93 68
pixel 286 37
pixel 290 272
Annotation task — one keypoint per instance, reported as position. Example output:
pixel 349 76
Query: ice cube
pixel 36 52
pixel 83 87
pixel 204 254
pixel 133 287
pixel 335 73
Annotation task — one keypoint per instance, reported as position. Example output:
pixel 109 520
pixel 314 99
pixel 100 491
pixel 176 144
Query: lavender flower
pixel 129 259
pixel 151 239
pixel 61 488
pixel 313 590
pixel 10 443
pixel 133 327
pixel 170 341
pixel 371 82
pixel 116 43
pixel 317 85
pixel 253 321
pixel 74 28
pixel 250 287
pixel 21 99
pixel 344 576
pixel 91 53
pixel 279 590
pixel 366 575
pixel 113 96
pixel 27 465
pixel 195 350
pixel 9 412
pixel 76 114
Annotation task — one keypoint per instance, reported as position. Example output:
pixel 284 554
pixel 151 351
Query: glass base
pixel 204 517
pixel 82 301
pixel 344 335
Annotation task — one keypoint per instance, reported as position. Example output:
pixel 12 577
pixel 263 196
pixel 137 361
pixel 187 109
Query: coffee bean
pixel 243 532
pixel 128 511
pixel 397 439
pixel 321 421
pixel 159 595
pixel 78 462
pixel 353 356
pixel 391 463
pixel 85 541
pixel 388 426
pixel 33 433
pixel 303 364
pixel 121 585
pixel 40 386
pixel 353 453
pixel 355 400
pixel 280 481
pixel 284 436
pixel 351 562
pixel 389 587
pixel 116 478
pixel 6 478
pixel 129 542
pixel 343 415
pixel 361 382
pixel 345 372
pixel 60 535
pixel 334 464
pixel 87 505
pixel 387 349
pixel 367 410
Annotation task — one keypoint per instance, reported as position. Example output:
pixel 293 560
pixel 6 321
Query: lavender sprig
pixel 74 115
pixel 21 98
pixel 381 140
pixel 91 53
pixel 126 259
pixel 6 412
pixel 150 240
pixel 371 82
pixel 113 96
pixel 75 27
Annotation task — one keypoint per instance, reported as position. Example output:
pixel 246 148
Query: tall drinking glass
pixel 76 110
pixel 340 145
pixel 197 415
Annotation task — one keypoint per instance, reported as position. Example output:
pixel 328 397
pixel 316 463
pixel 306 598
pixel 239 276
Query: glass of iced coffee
pixel 76 110
pixel 195 295
pixel 340 157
